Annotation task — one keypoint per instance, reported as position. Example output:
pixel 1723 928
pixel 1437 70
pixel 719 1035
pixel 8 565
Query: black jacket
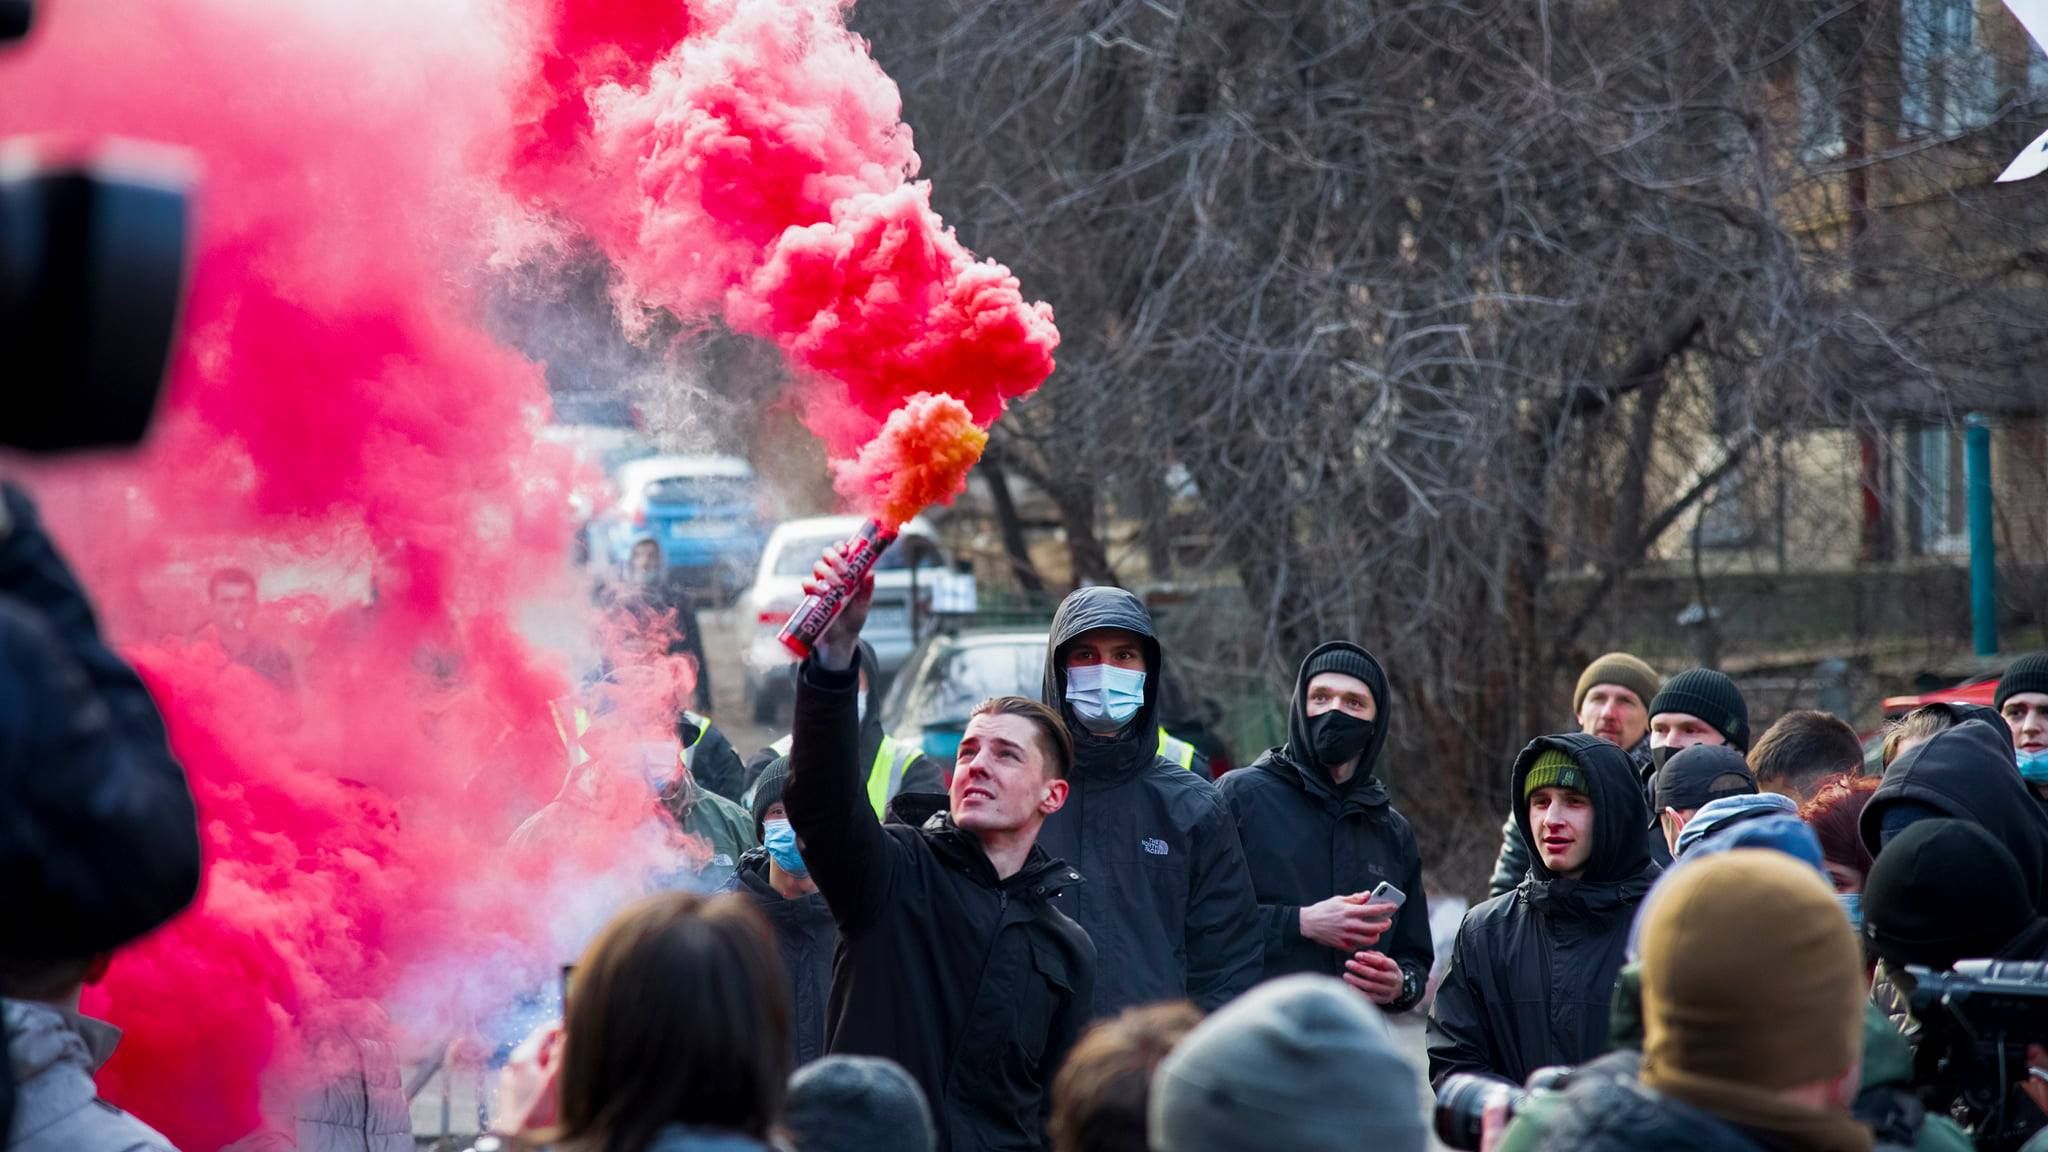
pixel 1532 973
pixel 1967 773
pixel 975 984
pixel 807 935
pixel 924 773
pixel 713 761
pixel 1306 839
pixel 1169 902
pixel 99 839
pixel 1513 862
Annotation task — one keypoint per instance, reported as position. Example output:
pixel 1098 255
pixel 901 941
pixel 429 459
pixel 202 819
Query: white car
pixel 915 561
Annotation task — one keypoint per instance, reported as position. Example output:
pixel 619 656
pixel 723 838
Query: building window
pixel 1947 76
pixel 1938 523
pixel 1728 519
pixel 1820 107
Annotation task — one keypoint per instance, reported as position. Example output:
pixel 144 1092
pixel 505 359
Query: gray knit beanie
pixel 1302 1063
pixel 857 1104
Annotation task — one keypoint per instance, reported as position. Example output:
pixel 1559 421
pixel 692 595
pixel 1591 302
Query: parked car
pixel 914 570
pixel 704 512
pixel 961 664
pixel 602 448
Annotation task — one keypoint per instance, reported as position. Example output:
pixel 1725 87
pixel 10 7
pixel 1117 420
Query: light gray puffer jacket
pixel 53 1054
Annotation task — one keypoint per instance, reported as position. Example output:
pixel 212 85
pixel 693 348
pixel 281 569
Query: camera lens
pixel 1461 1104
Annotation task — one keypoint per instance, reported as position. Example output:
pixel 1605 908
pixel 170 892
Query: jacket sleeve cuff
pixel 818 676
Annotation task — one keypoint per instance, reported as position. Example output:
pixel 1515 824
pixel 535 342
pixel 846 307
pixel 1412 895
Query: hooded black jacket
pixel 1306 839
pixel 1513 862
pixel 1169 902
pixel 975 984
pixel 923 775
pixel 1532 973
pixel 807 935
pixel 1968 773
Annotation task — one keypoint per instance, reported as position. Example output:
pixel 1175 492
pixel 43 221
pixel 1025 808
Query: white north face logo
pixel 1155 846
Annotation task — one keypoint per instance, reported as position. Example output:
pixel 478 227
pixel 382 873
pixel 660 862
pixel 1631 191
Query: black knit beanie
pixel 1343 661
pixel 768 791
pixel 1943 891
pixel 1712 697
pixel 2029 673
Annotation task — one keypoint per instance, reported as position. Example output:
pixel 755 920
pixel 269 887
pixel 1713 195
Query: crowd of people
pixel 1699 937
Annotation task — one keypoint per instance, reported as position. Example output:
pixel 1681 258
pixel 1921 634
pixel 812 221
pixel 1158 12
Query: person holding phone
pixel 1333 863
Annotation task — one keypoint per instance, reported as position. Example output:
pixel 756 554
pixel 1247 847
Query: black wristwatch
pixel 1411 987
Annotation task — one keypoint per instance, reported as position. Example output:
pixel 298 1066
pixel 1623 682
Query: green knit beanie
pixel 1555 769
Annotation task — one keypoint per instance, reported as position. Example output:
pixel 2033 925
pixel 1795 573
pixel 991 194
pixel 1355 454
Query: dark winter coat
pixel 98 835
pixel 923 775
pixel 1532 973
pixel 1967 773
pixel 1513 862
pixel 713 761
pixel 807 935
pixel 976 984
pixel 1169 902
pixel 1307 839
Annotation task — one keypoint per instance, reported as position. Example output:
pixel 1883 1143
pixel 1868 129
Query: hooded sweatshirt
pixel 52 1055
pixel 1532 973
pixel 1307 839
pixel 1967 773
pixel 1168 901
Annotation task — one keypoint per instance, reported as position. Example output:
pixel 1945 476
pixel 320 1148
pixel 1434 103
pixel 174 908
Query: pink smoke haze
pixel 339 422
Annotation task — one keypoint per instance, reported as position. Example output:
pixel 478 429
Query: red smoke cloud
pixel 338 421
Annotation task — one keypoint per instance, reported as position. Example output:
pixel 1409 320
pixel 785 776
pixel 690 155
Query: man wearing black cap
pixel 1320 835
pixel 2022 701
pixel 1690 779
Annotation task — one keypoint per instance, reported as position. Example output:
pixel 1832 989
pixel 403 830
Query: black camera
pixel 93 253
pixel 1977 1019
pixel 1462 1102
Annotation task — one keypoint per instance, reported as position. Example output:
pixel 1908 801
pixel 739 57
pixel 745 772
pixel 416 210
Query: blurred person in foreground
pixel 857 1104
pixel 953 960
pixel 1298 1064
pixel 99 841
pixel 675 1039
pixel 1320 833
pixel 1752 1012
pixel 1100 1097
pixel 1532 972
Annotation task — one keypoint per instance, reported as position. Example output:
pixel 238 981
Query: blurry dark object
pixel 1978 1019
pixel 92 273
pixel 1462 1102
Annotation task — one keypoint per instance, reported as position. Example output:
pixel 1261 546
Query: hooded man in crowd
pixel 1752 1004
pixel 1532 972
pixel 1319 835
pixel 1168 901
pixel 1611 701
pixel 1965 773
pixel 780 883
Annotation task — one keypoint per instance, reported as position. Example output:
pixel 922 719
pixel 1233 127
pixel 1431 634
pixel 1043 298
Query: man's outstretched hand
pixel 841 642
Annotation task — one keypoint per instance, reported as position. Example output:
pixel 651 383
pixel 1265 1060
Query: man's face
pixel 1561 820
pixel 645 562
pixel 1336 692
pixel 999 777
pixel 1681 730
pixel 233 602
pixel 2026 713
pixel 1614 714
pixel 1112 646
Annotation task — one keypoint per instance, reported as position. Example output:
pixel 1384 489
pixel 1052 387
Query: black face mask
pixel 1659 755
pixel 1339 737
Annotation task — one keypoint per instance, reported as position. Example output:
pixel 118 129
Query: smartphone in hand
pixel 1386 893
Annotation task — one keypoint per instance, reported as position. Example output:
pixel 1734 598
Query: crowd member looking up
pixel 1320 835
pixel 1694 778
pixel 1834 814
pixel 778 880
pixel 1301 1063
pixel 857 1104
pixel 1100 1097
pixel 675 1037
pixel 2022 699
pixel 953 960
pixel 1168 894
pixel 1802 749
pixel 231 607
pixel 1532 973
pixel 1965 773
pixel 1611 701
pixel 1752 1006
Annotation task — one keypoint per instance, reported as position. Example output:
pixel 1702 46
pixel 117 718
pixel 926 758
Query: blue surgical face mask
pixel 1852 903
pixel 2033 767
pixel 780 841
pixel 1105 698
